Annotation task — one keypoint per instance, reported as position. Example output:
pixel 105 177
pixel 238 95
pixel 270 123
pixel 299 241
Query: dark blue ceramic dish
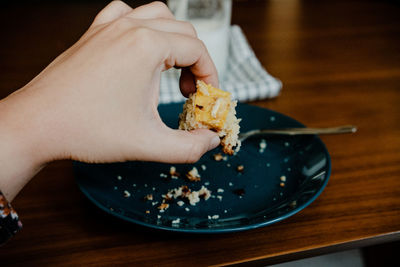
pixel 254 198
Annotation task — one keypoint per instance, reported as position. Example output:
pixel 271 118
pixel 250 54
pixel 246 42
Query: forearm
pixel 21 154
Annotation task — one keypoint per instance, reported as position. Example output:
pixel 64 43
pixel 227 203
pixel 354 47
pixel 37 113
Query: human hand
pixel 97 102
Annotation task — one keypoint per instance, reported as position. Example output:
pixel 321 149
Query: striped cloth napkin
pixel 245 78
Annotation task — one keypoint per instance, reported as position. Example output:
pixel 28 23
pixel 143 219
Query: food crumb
pixel 174 174
pixel 180 203
pixel 147 212
pixel 158 216
pixel 287 144
pixel 187 209
pixel 119 177
pixel 204 192
pixel 213 217
pixel 225 158
pixel 225 211
pixel 230 184
pixel 176 221
pixel 154 203
pixel 240 168
pixel 193 198
pixel 127 194
pixel 193 175
pixel 184 192
pixel 218 157
pixel 283 178
pixel 163 207
pixel 145 185
pixel 163 175
pixel 203 167
pixel 220 198
pixel 172 170
pixel 272 118
pixel 228 165
pixel 263 144
pixel 154 189
pixel 134 185
pixel 282 184
pixel 115 187
pixel 148 197
pixel 207 183
pixel 220 190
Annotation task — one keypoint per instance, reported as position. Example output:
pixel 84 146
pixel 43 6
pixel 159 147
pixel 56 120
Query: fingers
pixel 181 45
pixel 152 11
pixel 186 51
pixel 113 11
pixel 166 25
pixel 118 9
pixel 177 146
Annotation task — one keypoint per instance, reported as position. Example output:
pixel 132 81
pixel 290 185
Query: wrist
pixel 22 152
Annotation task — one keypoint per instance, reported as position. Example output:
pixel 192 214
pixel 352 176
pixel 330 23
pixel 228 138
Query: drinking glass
pixel 211 19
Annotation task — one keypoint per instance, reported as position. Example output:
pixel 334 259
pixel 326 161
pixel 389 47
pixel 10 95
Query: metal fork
pixel 300 131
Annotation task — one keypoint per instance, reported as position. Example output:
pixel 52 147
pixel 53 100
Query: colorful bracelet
pixel 9 222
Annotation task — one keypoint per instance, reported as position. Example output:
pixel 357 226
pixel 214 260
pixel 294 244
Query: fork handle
pixel 302 131
pixel 295 131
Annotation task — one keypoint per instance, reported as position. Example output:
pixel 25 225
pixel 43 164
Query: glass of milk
pixel 211 19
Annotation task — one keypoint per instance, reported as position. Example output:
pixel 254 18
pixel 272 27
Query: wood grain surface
pixel 339 62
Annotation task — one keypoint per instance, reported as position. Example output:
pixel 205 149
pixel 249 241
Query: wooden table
pixel 339 62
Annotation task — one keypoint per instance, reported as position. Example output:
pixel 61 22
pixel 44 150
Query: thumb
pixel 178 146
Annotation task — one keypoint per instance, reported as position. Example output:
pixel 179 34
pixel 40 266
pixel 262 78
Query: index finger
pixel 187 51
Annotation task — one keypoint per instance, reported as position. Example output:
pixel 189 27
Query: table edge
pixel 315 251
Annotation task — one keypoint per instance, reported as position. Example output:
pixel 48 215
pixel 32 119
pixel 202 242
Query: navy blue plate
pixel 276 182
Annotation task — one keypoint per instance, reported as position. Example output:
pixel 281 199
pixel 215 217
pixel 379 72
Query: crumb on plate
pixel 240 168
pixel 218 157
pixel 163 207
pixel 174 174
pixel 148 197
pixel 193 175
pixel 126 193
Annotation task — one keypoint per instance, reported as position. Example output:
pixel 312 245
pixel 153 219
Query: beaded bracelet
pixel 9 222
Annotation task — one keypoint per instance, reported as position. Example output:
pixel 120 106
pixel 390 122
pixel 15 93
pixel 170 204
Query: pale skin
pixel 97 102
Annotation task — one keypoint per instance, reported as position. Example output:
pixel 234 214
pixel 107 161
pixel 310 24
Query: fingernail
pixel 214 142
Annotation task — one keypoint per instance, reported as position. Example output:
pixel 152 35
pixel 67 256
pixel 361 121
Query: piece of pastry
pixel 213 109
